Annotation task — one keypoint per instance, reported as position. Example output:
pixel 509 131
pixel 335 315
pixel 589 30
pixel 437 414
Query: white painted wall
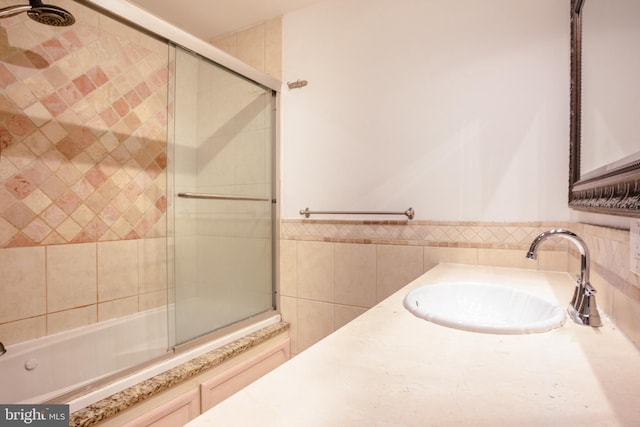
pixel 459 109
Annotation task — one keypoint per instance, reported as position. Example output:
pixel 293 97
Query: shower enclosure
pixel 221 151
pixel 151 162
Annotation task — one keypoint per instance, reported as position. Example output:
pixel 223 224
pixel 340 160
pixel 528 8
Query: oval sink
pixel 483 307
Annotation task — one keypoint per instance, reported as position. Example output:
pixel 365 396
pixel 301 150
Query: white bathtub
pixel 48 367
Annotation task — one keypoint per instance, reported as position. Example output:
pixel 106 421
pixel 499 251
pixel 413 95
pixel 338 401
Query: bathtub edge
pixel 127 398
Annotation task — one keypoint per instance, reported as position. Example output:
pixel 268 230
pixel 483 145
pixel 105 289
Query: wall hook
pixel 297 84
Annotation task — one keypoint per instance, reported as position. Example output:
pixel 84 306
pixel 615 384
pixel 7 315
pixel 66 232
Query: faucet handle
pixel 587 309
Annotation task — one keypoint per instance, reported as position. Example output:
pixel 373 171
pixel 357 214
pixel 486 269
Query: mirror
pixel 605 107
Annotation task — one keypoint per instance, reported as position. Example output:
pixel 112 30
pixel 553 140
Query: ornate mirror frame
pixel 615 191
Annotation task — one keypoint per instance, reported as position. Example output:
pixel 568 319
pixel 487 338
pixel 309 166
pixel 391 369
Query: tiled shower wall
pixel 332 271
pixel 83 114
pixel 259 46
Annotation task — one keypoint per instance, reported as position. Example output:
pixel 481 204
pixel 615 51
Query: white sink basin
pixel 482 307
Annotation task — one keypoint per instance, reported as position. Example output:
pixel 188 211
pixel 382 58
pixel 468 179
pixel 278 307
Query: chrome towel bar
pixel 409 213
pixel 224 197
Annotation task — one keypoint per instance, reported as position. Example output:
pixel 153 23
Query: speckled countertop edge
pixel 125 399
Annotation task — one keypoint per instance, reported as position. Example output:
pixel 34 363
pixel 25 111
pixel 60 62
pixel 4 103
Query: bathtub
pixel 41 370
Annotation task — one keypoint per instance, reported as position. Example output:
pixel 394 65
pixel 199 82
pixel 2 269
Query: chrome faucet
pixel 582 307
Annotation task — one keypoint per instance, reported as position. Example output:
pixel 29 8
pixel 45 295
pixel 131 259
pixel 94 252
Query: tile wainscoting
pixel 618 288
pixel 333 271
pixel 49 289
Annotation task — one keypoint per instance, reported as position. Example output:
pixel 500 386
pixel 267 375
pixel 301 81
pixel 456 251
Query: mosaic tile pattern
pixel 82 131
pixel 424 233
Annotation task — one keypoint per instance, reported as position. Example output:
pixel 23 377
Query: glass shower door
pixel 222 194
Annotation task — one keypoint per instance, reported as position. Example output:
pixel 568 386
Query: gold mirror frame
pixel 615 191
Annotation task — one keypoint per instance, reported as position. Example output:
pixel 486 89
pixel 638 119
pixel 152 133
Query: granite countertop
pixel 388 367
pixel 115 404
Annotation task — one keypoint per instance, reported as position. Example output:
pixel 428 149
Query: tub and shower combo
pixel 220 223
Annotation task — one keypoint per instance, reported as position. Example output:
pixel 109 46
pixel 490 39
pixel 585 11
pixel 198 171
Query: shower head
pixel 42 13
pixel 51 15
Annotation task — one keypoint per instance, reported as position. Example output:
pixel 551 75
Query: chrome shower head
pixel 42 13
pixel 51 15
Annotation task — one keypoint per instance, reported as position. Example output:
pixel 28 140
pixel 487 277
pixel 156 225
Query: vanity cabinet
pixel 232 380
pixel 186 401
pixel 176 412
pixel 389 367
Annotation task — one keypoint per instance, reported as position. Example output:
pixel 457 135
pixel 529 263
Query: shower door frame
pixel 274 95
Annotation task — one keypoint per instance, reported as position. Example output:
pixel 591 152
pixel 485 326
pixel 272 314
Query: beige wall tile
pixel 227 44
pixel 435 255
pixel 626 315
pixel 154 299
pixel 315 321
pixel 70 319
pixel 288 268
pixel 152 264
pixel 396 267
pixel 344 314
pixel 71 276
pixel 23 330
pixel 355 274
pixel 289 311
pixel 117 308
pixel 273 47
pixel 23 287
pixel 506 258
pixel 315 271
pixel 251 46
pixel 553 261
pixel 259 46
pixel 117 269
